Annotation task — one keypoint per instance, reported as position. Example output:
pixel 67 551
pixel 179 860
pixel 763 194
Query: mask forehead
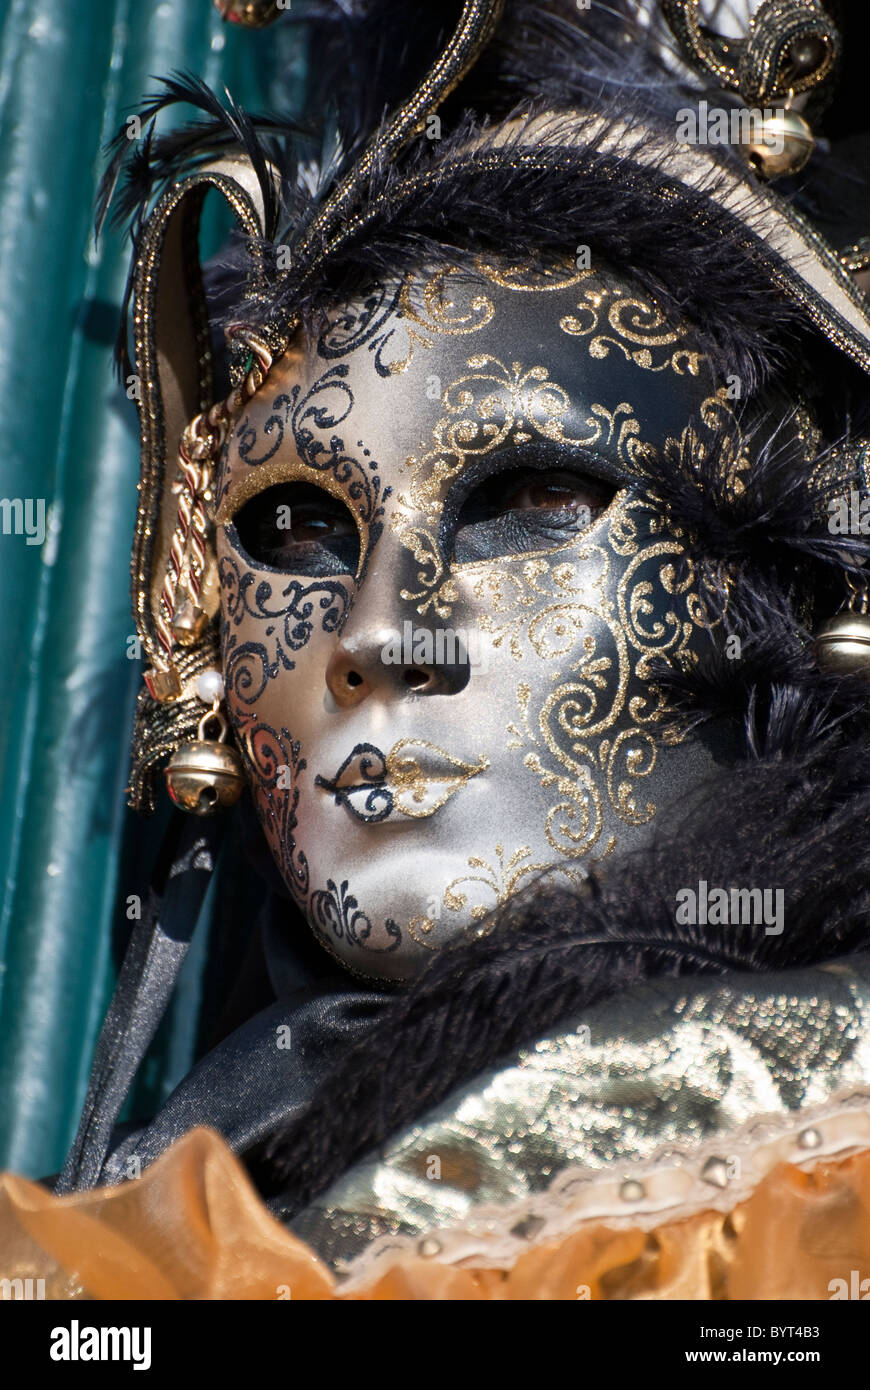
pixel 404 818
pixel 443 367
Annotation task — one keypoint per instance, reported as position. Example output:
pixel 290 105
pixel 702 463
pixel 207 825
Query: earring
pixel 843 643
pixel 205 775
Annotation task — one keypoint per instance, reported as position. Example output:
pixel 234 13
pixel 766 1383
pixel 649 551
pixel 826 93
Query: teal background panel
pixel 69 74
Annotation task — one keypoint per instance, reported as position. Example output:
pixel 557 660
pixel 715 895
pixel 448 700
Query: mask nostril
pixel 354 679
pixel 416 678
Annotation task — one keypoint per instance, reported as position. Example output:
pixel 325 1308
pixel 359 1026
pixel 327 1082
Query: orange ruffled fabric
pixel 194 1228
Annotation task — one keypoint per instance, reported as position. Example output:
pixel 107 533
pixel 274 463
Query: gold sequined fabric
pixel 671 1099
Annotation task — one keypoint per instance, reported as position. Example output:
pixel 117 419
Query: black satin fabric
pixel 149 974
pixel 248 1086
pixel 260 1077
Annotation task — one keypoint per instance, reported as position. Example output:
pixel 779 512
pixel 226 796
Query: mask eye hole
pixel 298 528
pixel 528 509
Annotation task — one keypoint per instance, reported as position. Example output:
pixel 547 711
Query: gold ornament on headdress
pixel 253 14
pixel 180 620
pixel 791 47
pixel 843 643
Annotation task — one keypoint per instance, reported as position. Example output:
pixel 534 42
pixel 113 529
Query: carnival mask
pixel 444 593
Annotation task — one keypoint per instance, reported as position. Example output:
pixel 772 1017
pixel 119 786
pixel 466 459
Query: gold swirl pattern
pixel 486 408
pixel 437 314
pixel 720 426
pixel 577 741
pixel 500 879
pixel 529 277
pixel 639 330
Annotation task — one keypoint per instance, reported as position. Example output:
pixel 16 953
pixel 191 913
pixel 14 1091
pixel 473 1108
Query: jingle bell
pixel 843 644
pixel 205 775
pixel 189 621
pixel 783 145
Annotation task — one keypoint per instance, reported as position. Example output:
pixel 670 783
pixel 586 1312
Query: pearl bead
pixel 210 686
pixel 632 1191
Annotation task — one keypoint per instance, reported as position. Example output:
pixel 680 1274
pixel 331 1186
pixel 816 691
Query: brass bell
pixel 189 622
pixel 843 644
pixel 783 145
pixel 205 775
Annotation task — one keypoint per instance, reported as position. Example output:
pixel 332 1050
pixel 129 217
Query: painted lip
pixel 415 779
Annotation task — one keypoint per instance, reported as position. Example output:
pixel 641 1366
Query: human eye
pixel 520 509
pixel 298 528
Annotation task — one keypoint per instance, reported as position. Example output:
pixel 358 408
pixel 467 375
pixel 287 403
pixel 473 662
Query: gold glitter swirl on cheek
pixel 420 930
pixel 573 825
pixel 499 881
pixel 642 582
pixel 552 629
pixel 493 883
pixel 638 750
pixel 591 739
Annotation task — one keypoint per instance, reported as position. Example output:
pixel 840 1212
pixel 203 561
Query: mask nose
pixel 386 662
pixel 385 649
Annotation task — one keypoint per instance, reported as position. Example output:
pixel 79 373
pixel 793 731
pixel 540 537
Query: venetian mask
pixel 445 590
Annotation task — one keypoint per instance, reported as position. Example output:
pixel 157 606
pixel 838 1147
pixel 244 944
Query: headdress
pixel 520 133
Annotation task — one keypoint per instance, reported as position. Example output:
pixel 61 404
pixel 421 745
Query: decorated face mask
pixel 444 594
